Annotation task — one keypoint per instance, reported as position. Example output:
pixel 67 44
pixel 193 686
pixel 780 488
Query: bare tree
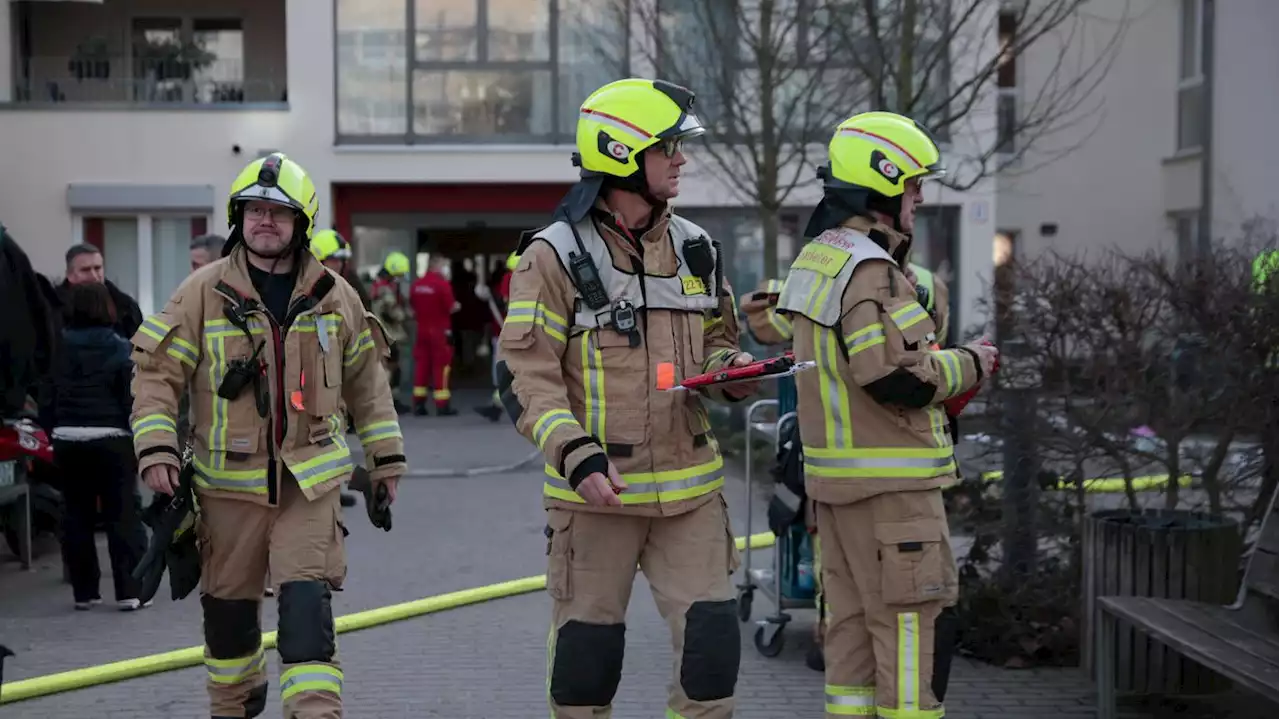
pixel 774 78
pixel 933 60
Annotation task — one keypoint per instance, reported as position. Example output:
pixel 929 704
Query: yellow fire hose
pixel 192 656
pixel 1105 484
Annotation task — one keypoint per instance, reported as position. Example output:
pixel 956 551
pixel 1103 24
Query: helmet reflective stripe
pixel 885 144
pixel 616 123
pixel 267 194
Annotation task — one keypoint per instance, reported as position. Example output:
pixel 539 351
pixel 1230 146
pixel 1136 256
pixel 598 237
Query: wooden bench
pixel 1238 641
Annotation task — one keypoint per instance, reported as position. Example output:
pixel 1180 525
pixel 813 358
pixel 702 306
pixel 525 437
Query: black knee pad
pixel 231 628
pixel 588 664
pixel 306 623
pixel 712 650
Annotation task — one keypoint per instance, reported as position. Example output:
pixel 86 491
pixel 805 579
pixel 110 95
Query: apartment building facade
pixel 1186 127
pixel 428 126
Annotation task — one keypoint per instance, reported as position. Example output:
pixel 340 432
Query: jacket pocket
pixel 913 322
pixel 559 533
pixel 321 377
pixel 911 566
pixel 336 555
pixel 733 554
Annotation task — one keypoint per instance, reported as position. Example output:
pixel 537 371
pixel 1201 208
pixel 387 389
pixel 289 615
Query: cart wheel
pixel 773 647
pixel 744 605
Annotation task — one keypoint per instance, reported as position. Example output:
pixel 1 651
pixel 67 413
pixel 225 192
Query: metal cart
pixel 769 634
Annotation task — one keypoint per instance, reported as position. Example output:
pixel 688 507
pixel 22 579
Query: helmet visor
pixel 266 194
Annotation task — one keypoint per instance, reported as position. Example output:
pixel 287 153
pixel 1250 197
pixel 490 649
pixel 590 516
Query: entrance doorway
pixel 475 226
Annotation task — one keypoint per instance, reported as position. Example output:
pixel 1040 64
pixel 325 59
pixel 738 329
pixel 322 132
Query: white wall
pixel 1246 98
pixel 1108 191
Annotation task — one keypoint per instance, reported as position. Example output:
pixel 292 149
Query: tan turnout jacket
pixel 329 359
pixel 856 315
pixel 583 392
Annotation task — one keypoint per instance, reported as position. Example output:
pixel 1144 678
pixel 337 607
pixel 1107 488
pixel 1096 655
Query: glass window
pixel 1007 120
pixel 482 102
pixel 372 94
pixel 1190 116
pixel 120 253
pixel 222 78
pixel 445 29
pixel 592 53
pixel 520 29
pixel 1189 44
pixel 170 256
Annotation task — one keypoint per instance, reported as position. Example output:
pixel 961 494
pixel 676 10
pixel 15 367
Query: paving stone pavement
pixel 484 661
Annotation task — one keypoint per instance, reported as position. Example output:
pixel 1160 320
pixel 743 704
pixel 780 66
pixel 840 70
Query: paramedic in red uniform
pixel 433 305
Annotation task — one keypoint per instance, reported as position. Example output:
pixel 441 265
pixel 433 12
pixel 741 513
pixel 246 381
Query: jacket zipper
pixel 275 428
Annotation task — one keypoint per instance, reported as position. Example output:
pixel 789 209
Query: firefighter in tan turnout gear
pixel 877 447
pixel 614 290
pixel 272 345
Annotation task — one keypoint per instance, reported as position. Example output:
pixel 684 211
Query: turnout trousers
pixel 432 358
pixel 687 558
pixel 300 543
pixel 887 572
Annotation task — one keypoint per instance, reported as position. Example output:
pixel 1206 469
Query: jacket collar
pixel 610 223
pixel 235 273
pixel 888 238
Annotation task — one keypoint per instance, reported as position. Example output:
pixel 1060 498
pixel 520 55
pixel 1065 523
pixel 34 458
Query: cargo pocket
pixel 733 555
pixel 559 533
pixel 911 569
pixel 322 381
pixel 335 560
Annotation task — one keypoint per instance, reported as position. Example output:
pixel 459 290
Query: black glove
pixel 376 501
pixel 173 543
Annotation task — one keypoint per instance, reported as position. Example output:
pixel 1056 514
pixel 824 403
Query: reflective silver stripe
pixel 835 399
pixel 228 673
pixel 867 336
pixel 378 431
pixel 183 352
pixel 154 423
pixel 593 383
pixel 533 314
pixel 287 686
pixel 861 701
pixel 671 485
pixel 880 462
pixel 909 315
pixel 548 423
pixel 313 475
pixel 908 661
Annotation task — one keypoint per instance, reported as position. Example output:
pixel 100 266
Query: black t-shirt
pixel 275 289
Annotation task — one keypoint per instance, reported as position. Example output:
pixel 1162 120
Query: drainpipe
pixel 1206 108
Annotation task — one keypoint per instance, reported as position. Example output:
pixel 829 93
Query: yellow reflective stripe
pixel 851 701
pixel 865 338
pixel 837 416
pixel 361 344
pixel 1105 484
pixel 249 481
pixel 908 661
pixel 672 714
pixel 593 385
pixel 719 355
pixel 909 316
pixel 390 429
pixel 879 462
pixel 234 671
pixel 780 323
pixel 645 487
pixel 337 423
pixel 184 351
pixel 310 678
pixel 224 328
pixel 709 323
pixel 216 346
pixel 939 425
pixel 307 323
pixel 154 423
pixel 324 467
pixel 155 329
pixel 536 313
pixel 773 287
pixel 548 423
pixel 885 713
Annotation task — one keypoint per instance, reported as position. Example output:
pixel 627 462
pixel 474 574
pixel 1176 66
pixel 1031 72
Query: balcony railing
pixel 133 81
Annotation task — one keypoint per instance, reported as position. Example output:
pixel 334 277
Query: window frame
pixel 413 67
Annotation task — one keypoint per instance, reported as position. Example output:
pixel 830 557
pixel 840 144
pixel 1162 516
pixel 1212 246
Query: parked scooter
pixel 25 444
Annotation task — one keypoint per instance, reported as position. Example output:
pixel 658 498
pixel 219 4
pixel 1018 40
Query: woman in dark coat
pixel 93 446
